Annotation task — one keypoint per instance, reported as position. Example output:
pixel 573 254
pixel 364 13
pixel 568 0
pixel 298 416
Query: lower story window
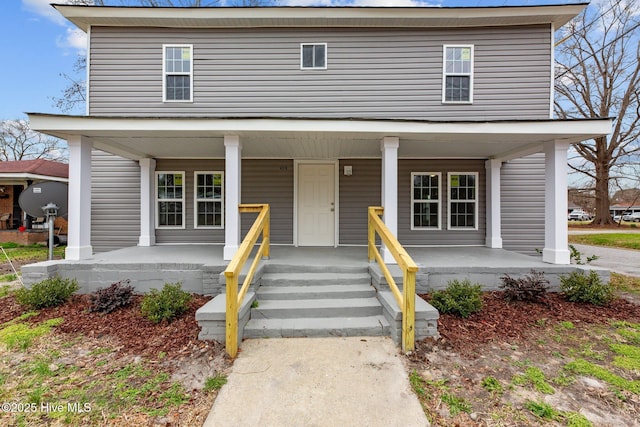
pixel 425 200
pixel 209 200
pixel 170 199
pixel 463 200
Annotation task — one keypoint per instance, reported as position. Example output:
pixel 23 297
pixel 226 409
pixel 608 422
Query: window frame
pixel 450 200
pixel 439 201
pixel 470 74
pixel 158 200
pixel 165 73
pixel 196 200
pixel 326 54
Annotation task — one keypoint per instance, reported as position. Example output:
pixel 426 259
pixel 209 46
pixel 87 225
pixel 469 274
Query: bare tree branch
pixel 19 142
pixel 598 75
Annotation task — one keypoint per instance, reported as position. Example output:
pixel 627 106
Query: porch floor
pixel 148 267
pixel 425 257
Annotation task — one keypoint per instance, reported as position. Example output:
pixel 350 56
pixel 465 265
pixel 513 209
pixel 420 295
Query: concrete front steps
pixel 313 301
pixel 309 302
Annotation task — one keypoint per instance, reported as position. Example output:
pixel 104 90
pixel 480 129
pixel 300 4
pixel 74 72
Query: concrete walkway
pixel 623 261
pixel 342 381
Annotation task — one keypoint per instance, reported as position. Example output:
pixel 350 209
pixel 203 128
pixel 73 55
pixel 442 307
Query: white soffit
pixel 312 138
pixel 252 17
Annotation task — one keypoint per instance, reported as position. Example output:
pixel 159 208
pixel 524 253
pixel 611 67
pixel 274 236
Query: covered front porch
pixel 199 267
pixel 277 155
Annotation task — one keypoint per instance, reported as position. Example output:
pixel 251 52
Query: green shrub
pixel 532 287
pixel 579 287
pixel 461 298
pixel 167 304
pixel 106 300
pixel 47 293
pixel 576 256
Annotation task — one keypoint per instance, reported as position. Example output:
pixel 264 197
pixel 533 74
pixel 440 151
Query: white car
pixel 579 215
pixel 633 217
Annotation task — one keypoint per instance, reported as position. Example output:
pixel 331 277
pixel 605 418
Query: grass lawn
pixel 29 253
pixel 623 283
pixel 616 240
pixel 20 255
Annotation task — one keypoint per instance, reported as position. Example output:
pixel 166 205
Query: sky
pixel 38 45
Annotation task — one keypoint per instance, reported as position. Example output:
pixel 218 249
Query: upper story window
pixel 313 56
pixel 208 199
pixel 463 200
pixel 178 73
pixel 457 82
pixel 425 200
pixel 170 199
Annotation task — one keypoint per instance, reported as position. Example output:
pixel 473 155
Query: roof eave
pixel 31 176
pixel 238 17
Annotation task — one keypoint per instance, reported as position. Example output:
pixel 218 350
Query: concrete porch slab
pixel 198 267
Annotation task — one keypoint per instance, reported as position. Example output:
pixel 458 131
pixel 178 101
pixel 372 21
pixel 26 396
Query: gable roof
pixel 247 17
pixel 38 169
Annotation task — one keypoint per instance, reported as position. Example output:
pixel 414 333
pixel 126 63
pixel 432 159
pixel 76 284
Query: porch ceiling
pixel 137 138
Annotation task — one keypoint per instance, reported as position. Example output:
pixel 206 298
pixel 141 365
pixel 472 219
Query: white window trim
pixel 444 73
pixel 439 175
pixel 326 53
pixel 158 200
pixel 449 201
pixel 196 200
pixel 164 73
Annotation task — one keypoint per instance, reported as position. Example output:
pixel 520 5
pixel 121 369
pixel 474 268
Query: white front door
pixel 316 204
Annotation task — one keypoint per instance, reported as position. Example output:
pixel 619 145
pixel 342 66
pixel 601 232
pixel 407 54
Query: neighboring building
pixel 580 199
pixel 15 176
pixel 444 116
pixel 623 209
pixel 625 202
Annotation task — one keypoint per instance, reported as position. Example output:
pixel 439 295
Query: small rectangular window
pixel 313 56
pixel 170 199
pixel 463 200
pixel 209 200
pixel 177 73
pixel 457 82
pixel 425 200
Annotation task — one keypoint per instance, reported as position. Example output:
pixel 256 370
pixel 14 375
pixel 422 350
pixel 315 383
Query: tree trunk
pixel 602 194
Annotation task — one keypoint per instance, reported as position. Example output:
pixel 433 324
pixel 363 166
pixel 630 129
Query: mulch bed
pixel 134 332
pixel 499 321
pixel 505 321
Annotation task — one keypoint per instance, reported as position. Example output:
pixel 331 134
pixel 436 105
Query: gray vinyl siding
pixel 442 237
pixel 189 234
pixel 357 192
pixel 270 181
pixel 373 73
pixel 115 202
pixel 263 181
pixel 522 183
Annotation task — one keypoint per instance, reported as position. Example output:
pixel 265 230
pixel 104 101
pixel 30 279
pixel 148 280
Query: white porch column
pixel 494 218
pixel 147 202
pixel 79 216
pixel 389 147
pixel 233 158
pixel 555 209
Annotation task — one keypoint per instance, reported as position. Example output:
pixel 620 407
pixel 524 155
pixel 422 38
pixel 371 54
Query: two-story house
pixel 444 116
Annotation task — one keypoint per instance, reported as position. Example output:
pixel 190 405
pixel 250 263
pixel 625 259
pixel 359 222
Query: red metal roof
pixel 36 167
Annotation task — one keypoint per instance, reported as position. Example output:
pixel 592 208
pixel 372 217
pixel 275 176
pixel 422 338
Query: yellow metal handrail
pixel 232 273
pixel 406 298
